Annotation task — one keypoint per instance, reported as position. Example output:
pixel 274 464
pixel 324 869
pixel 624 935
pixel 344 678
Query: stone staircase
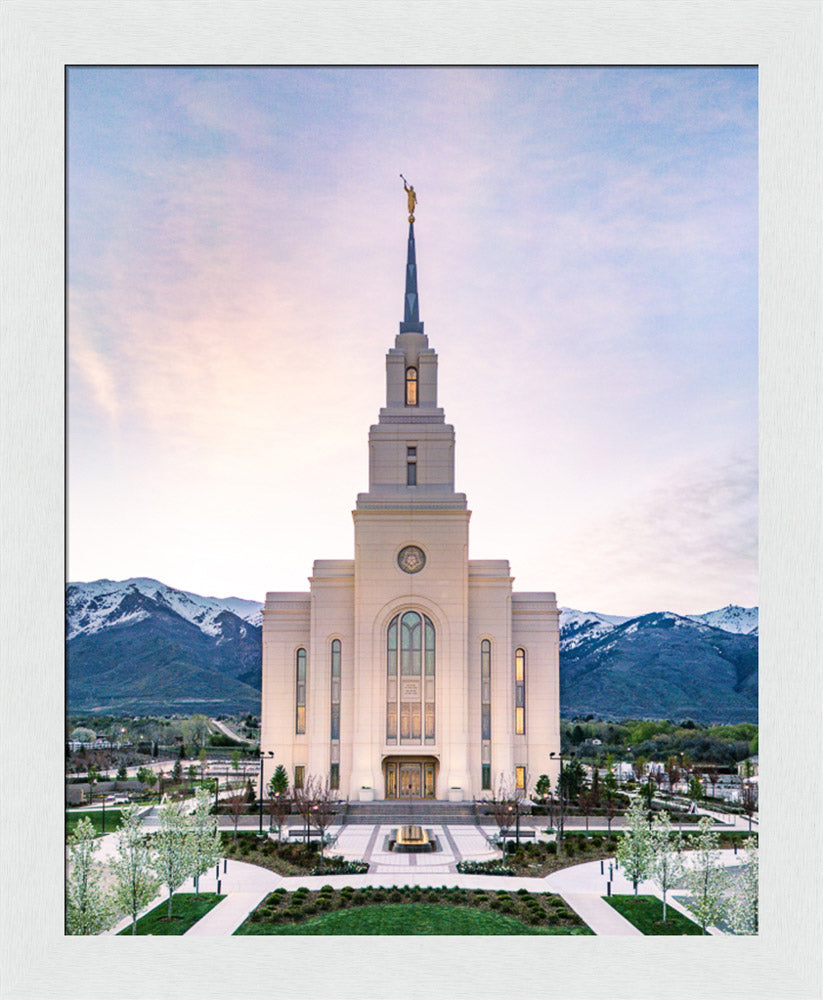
pixel 423 812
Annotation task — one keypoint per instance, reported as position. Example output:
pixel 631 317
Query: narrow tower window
pixel 300 693
pixel 411 387
pixel 520 692
pixel 411 466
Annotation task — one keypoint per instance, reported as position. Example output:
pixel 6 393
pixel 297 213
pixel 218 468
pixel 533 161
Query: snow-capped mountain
pixel 732 618
pixel 582 626
pixel 91 607
pixel 661 665
pixel 575 626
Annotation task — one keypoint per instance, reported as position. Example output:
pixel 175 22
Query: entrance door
pixel 428 780
pixel 410 780
pixel 391 781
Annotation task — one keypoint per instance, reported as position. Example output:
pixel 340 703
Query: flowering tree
pixel 88 909
pixel 666 864
pixel 706 879
pixel 172 848
pixel 634 847
pixel 742 907
pixel 135 881
pixel 205 845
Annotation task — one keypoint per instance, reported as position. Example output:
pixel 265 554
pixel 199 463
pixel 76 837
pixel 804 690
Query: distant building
pixel 411 670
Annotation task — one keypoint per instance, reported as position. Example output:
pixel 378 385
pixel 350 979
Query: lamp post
pixel 264 754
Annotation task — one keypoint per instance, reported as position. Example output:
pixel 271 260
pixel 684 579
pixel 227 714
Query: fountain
pixel 411 840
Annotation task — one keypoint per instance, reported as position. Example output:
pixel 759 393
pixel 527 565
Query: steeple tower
pixel 411 313
pixel 411 448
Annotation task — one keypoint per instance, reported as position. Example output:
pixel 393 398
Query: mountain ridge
pixel 141 645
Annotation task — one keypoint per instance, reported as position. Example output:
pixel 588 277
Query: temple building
pixel 411 670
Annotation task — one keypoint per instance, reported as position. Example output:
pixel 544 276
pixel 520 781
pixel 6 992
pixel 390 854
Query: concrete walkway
pixel 582 887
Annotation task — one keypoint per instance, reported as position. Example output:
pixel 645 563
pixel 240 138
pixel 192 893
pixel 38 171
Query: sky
pixel 587 269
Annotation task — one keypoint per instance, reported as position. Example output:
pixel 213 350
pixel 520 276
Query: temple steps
pixel 419 811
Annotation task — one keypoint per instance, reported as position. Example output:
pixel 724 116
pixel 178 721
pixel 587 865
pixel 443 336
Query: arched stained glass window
pixel 410 679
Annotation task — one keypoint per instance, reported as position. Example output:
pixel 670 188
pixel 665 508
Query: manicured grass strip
pixel 96 817
pixel 187 909
pixel 646 913
pixel 408 918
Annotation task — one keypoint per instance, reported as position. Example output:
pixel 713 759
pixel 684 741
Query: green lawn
pixel 409 918
pixel 187 909
pixel 646 913
pixel 96 816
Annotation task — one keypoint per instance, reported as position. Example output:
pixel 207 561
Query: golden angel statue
pixel 412 197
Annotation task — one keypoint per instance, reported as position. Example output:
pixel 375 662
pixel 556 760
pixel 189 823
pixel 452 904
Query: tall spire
pixel 411 311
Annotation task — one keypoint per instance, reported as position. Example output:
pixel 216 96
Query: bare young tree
pixel 238 806
pixel 505 806
pixel 317 804
pixel 748 800
pixel 672 772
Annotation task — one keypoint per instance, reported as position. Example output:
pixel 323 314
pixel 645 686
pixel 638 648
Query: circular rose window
pixel 411 559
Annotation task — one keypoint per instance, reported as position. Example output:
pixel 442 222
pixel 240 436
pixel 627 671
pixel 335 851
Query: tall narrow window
pixel 485 713
pixel 335 689
pixel 411 387
pixel 410 680
pixel 334 721
pixel 411 466
pixel 520 778
pixel 520 692
pixel 300 693
pixel 299 774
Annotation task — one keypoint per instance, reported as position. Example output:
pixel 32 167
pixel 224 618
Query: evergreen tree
pixel 88 909
pixel 706 879
pixel 135 881
pixel 634 846
pixel 666 864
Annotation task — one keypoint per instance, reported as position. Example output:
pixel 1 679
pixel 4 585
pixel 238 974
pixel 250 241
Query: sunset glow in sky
pixel 587 261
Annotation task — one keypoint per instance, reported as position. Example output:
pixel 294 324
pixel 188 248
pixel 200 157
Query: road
pixel 224 729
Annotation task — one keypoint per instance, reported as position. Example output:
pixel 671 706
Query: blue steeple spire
pixel 411 311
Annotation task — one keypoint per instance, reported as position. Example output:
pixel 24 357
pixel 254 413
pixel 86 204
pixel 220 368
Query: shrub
pixel 551 848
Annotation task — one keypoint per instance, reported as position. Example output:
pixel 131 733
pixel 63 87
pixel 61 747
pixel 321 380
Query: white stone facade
pixel 411 722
